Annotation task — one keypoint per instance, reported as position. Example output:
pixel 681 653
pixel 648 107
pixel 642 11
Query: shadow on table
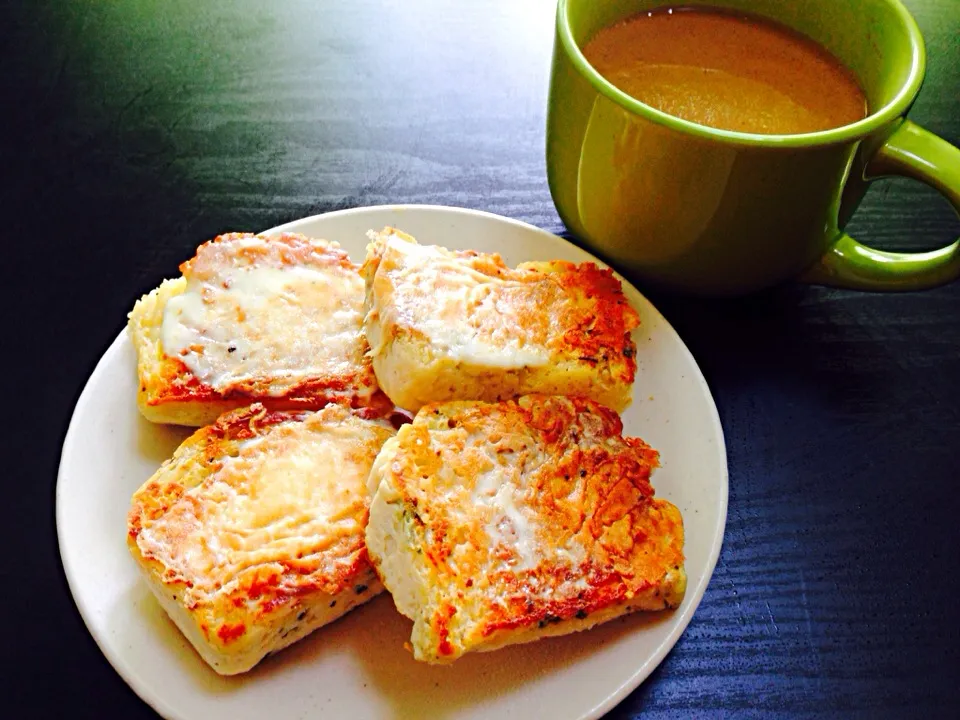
pixel 794 337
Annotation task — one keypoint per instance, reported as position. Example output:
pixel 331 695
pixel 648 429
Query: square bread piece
pixel 446 325
pixel 496 524
pixel 271 319
pixel 251 535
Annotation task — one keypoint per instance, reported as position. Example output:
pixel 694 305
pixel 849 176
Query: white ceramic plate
pixel 357 667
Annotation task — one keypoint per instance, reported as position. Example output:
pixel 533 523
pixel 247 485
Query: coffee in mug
pixel 727 70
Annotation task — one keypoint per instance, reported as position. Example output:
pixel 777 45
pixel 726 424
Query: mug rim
pixel 853 131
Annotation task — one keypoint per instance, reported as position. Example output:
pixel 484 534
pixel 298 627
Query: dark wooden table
pixel 133 130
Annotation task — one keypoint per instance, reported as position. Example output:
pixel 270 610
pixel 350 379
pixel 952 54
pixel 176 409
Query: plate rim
pixel 643 671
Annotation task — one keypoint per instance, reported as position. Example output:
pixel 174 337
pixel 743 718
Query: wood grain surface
pixel 134 130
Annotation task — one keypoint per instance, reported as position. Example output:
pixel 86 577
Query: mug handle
pixel 912 152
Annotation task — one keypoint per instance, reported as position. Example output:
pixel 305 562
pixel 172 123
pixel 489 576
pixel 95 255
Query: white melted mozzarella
pixel 460 310
pixel 514 527
pixel 278 325
pixel 510 521
pixel 294 492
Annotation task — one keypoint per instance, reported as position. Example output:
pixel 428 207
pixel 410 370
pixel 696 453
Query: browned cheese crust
pixel 271 319
pixel 499 523
pixel 462 325
pixel 252 534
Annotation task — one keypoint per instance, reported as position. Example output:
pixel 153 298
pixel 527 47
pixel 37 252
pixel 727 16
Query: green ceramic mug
pixel 714 212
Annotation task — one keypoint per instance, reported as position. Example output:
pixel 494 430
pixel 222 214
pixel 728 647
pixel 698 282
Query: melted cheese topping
pixel 487 485
pixel 534 498
pixel 295 492
pixel 469 315
pixel 509 523
pixel 493 522
pixel 251 316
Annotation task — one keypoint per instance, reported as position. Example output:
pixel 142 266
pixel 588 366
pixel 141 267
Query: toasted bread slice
pixel 495 524
pixel 252 535
pixel 276 320
pixel 446 325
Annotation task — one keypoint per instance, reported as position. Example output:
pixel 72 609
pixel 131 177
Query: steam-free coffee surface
pixel 730 71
